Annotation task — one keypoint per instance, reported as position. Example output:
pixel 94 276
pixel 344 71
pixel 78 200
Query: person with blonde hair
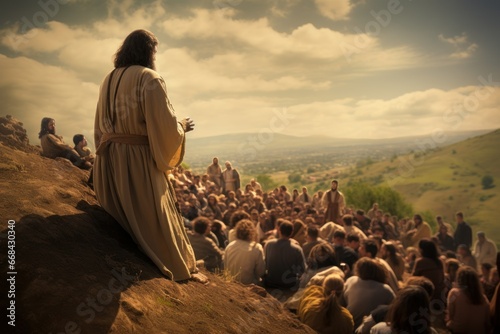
pixel 320 308
pixel 243 257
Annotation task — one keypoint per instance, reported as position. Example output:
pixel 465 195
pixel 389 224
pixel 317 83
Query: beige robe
pixel 130 180
pixel 53 146
pixel 215 173
pixel 422 231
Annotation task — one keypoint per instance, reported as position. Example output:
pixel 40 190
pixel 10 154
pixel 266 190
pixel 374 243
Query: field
pixel 435 179
pixel 440 181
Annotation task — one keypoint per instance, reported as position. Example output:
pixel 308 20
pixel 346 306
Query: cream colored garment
pixel 130 181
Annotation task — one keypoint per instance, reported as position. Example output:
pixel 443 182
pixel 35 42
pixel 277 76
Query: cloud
pixel 463 48
pixel 228 73
pixel 414 113
pixel 219 31
pixel 32 90
pixel 334 9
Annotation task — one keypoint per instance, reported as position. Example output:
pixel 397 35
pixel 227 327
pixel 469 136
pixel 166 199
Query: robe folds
pixel 130 179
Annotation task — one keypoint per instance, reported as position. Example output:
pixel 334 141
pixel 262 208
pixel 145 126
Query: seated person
pixel 285 261
pixel 244 258
pixel 366 290
pixel 53 146
pixel 320 308
pixel 204 247
pixel 407 314
pixel 82 149
pixel 380 313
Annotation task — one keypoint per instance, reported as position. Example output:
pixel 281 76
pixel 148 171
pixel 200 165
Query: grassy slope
pixel 442 181
pixel 449 179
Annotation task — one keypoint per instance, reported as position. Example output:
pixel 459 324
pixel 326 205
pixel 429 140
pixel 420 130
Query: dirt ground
pixel 79 272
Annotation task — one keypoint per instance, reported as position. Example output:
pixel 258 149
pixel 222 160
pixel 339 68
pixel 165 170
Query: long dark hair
pixel 392 251
pixel 322 255
pixel 368 269
pixel 138 48
pixel 468 282
pixel 44 127
pixel 430 251
pixel 405 313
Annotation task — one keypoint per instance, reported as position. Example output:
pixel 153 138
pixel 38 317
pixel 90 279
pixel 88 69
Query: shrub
pixel 294 178
pixel 487 182
pixel 362 195
pixel 266 182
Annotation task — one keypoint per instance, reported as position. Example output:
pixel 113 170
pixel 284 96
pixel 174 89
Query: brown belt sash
pixel 122 138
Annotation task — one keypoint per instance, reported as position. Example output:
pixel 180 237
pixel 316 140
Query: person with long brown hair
pixel 139 140
pixel 53 145
pixel 320 308
pixel 366 290
pixel 408 313
pixel 468 307
pixel 429 265
pixel 394 259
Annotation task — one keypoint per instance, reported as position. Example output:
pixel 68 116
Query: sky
pixel 338 68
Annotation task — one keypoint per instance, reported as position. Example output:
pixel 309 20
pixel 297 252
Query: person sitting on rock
pixel 53 145
pixel 82 148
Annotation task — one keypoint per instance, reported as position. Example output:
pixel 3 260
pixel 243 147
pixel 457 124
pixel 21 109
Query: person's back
pixel 244 258
pixel 367 290
pixel 245 261
pixel 284 263
pixel 309 245
pixel 430 269
pixel 205 249
pixel 468 307
pixel 408 313
pixel 397 265
pixel 139 139
pixel 467 317
pixel 284 259
pixel 323 313
pixel 363 296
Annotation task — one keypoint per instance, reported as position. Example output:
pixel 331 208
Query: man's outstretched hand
pixel 187 124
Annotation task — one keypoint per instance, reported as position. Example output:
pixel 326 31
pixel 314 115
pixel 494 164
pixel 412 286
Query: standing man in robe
pixel 139 141
pixel 215 172
pixel 334 203
pixel 230 178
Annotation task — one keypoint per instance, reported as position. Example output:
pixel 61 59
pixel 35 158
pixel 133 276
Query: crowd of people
pixel 345 268
pixel 342 267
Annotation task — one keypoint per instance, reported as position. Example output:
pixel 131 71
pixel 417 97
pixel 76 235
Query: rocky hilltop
pixel 77 271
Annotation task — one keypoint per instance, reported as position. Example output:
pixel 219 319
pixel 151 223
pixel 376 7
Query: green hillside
pixel 445 180
pixel 436 180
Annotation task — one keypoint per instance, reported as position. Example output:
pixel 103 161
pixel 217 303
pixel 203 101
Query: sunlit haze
pixel 340 68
